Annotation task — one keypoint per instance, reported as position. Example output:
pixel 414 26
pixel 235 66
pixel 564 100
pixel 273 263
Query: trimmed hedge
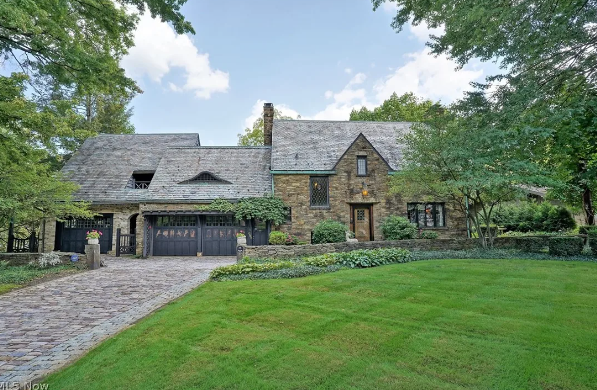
pixel 277 238
pixel 592 235
pixel 329 231
pixel 531 244
pixel 398 228
pixel 565 246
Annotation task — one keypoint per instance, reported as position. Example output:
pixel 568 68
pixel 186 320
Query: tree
pixel 29 188
pixel 546 51
pixel 254 136
pixel 405 108
pixel 68 53
pixel 459 156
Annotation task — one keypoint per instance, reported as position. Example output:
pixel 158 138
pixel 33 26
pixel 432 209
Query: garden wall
pixel 26 258
pixel 290 251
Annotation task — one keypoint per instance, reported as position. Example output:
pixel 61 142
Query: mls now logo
pixel 25 386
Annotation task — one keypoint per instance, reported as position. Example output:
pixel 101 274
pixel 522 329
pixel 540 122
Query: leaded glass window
pixel 361 165
pixel 427 215
pixel 319 190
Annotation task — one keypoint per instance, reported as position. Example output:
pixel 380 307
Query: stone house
pixel 149 186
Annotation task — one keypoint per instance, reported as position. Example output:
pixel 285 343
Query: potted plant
pixel 93 237
pixel 241 238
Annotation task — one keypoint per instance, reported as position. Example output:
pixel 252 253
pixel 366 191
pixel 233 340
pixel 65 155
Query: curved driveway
pixel 47 326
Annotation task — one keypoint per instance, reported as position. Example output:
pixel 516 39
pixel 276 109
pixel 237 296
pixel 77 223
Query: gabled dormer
pixel 205 178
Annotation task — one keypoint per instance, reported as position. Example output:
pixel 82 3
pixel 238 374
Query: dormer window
pixel 140 180
pixel 205 178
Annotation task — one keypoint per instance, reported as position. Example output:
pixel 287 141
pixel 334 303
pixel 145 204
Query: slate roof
pixel 104 164
pixel 305 145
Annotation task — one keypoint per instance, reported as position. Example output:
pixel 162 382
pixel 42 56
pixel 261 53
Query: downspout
pixel 468 226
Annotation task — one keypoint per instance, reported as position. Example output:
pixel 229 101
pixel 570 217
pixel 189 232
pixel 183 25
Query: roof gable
pixel 302 145
pixel 361 137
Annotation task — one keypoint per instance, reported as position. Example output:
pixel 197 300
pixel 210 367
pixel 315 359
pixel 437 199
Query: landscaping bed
pixel 446 324
pixel 12 277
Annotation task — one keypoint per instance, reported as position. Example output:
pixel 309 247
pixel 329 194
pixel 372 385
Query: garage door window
pixel 176 220
pixel 220 220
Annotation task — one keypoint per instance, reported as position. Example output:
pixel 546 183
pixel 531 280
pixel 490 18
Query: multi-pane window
pixel 319 191
pixel 219 220
pixel 361 165
pixel 95 223
pixel 427 215
pixel 176 220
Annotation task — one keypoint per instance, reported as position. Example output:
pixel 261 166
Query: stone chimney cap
pixel 268 105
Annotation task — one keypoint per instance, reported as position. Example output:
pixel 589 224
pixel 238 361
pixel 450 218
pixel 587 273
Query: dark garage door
pixel 175 236
pixel 219 235
pixel 73 234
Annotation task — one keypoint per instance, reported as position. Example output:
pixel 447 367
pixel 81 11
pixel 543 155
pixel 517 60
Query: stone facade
pixel 345 189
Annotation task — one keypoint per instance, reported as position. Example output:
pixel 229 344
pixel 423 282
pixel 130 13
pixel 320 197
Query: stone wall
pixel 345 188
pixel 290 251
pixel 26 258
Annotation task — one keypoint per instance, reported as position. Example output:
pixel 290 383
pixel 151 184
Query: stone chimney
pixel 268 123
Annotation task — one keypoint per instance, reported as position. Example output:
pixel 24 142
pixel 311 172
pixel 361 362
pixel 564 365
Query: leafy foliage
pixel 427 235
pixel 266 208
pixel 299 271
pixel 365 258
pixel 329 231
pixel 254 136
pixel 531 244
pixel 398 228
pixel 547 87
pixel 566 246
pixel 529 217
pixel 404 108
pixel 246 268
pixel 277 238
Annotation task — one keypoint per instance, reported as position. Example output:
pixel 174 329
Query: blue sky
pixel 316 58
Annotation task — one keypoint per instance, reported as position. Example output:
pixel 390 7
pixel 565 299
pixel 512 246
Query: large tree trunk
pixel 587 206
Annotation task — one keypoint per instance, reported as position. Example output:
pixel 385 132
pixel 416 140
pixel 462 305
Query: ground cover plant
pixel 12 277
pixel 510 324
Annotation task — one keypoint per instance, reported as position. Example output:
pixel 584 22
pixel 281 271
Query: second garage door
pixel 219 235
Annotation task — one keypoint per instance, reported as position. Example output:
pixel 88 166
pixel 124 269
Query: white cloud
pixel 390 7
pixel 358 78
pixel 422 31
pixel 257 112
pixel 158 49
pixel 429 77
pixel 329 94
pixel 348 71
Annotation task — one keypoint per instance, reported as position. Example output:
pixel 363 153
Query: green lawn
pixel 499 324
pixel 12 277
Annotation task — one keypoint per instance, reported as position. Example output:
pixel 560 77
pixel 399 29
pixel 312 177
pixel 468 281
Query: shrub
pixel 565 246
pixel 365 258
pixel 247 268
pixel 284 273
pixel 277 238
pixel 529 217
pixel 323 260
pixel 398 228
pixel 329 231
pixel 592 233
pixel 586 229
pixel 45 260
pixel 427 235
pixel 531 244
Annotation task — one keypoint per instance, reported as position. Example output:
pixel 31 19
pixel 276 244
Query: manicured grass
pixel 12 277
pixel 499 324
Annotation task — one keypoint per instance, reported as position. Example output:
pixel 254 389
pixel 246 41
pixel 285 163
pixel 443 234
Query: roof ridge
pixel 332 121
pixel 135 134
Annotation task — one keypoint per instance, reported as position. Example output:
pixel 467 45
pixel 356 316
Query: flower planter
pixel 92 241
pixel 241 241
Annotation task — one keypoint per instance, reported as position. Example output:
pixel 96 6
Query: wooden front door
pixel 362 222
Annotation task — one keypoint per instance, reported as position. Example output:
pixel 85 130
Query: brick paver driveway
pixel 46 326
